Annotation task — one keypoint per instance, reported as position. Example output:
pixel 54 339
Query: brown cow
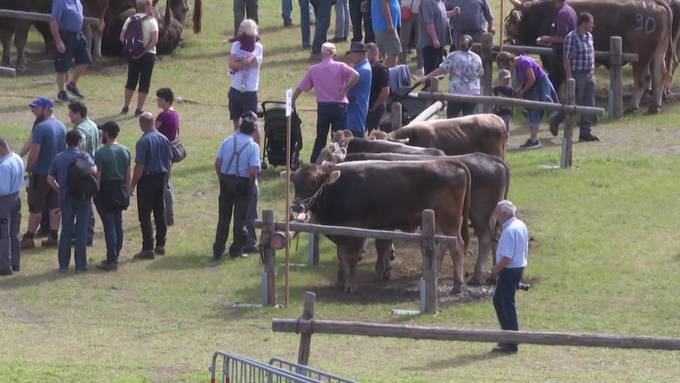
pixel 96 9
pixel 387 196
pixel 645 26
pixel 490 176
pixel 484 133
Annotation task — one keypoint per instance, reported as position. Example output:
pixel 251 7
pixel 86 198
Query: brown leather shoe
pixel 27 243
pixel 50 242
pixel 588 138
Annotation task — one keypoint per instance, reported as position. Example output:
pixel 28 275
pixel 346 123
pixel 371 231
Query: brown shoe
pixel 27 243
pixel 144 254
pixel 588 138
pixel 105 266
pixel 50 242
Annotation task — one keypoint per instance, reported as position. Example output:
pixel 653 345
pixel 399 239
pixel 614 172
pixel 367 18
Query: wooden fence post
pixel 313 249
pixel 395 116
pixel 487 61
pixel 615 77
pixel 428 288
pixel 567 144
pixel 306 337
pixel 269 261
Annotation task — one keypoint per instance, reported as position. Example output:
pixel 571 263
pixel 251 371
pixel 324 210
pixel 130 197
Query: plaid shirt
pixel 579 50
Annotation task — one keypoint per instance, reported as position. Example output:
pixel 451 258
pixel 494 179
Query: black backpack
pixel 133 41
pixel 82 183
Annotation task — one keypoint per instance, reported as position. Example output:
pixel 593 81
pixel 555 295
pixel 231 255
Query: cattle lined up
pixel 454 167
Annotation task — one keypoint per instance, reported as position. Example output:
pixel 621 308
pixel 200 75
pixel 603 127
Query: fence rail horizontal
pixel 497 336
pixel 357 232
pixel 519 49
pixel 35 16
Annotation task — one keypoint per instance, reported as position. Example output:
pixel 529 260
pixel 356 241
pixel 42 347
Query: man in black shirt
pixel 380 88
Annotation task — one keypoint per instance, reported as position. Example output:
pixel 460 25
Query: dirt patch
pixel 18 313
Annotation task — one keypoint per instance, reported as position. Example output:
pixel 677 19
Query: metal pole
pixel 287 268
pixel 500 24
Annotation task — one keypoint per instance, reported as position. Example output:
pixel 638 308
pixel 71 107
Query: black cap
pixel 357 46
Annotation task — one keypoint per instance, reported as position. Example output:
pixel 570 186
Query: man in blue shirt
pixel 386 19
pixel 12 176
pixel 47 140
pixel 360 93
pixel 66 24
pixel 511 259
pixel 236 164
pixel 152 171
pixel 75 212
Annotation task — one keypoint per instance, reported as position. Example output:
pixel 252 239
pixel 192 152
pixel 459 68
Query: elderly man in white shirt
pixel 511 259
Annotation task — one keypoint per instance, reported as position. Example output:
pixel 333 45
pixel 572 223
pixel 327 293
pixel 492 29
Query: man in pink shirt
pixel 331 81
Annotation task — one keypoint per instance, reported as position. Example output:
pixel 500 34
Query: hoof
pixel 351 289
pixel 631 110
pixel 392 257
pixel 456 290
pixel 653 109
pixel 386 275
pixel 474 281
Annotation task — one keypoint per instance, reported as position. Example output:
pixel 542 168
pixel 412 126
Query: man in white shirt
pixel 12 176
pixel 511 259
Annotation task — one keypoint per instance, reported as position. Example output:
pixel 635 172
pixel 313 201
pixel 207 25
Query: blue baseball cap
pixel 41 102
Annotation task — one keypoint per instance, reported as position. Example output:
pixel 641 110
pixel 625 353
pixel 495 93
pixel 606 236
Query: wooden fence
pixel 306 325
pixel 614 56
pixel 427 237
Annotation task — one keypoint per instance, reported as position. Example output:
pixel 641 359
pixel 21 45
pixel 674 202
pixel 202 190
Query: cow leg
pixel 340 276
pixel 484 239
pixel 20 37
pixel 6 38
pixel 385 251
pixel 640 83
pixel 658 77
pixel 97 45
pixel 87 31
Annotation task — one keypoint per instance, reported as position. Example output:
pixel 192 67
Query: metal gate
pixel 308 371
pixel 233 368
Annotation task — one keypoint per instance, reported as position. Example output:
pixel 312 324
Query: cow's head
pixel 514 22
pixel 333 153
pixel 309 182
pixel 180 9
pixel 342 136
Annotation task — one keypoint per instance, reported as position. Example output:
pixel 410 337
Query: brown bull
pixel 645 27
pixel 387 196
pixel 490 176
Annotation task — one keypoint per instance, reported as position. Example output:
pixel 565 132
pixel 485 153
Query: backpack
pixel 81 182
pixel 133 41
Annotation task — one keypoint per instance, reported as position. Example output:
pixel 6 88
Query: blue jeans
pixel 323 21
pixel 287 10
pixel 75 216
pixel 304 21
pixel 585 96
pixel 328 114
pixel 453 109
pixel 341 19
pixel 113 233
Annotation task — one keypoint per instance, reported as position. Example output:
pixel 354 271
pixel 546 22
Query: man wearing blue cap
pixel 66 25
pixel 48 138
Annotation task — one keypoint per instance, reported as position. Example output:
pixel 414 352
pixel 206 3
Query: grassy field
pixel 604 257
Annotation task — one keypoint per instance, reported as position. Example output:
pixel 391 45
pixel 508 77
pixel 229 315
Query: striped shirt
pixel 579 50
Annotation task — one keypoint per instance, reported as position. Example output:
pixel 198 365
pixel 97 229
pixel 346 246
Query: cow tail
pixel 168 14
pixel 671 47
pixel 465 228
pixel 198 14
pixel 507 177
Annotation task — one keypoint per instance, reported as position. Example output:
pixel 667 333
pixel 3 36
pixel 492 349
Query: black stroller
pixel 400 86
pixel 274 149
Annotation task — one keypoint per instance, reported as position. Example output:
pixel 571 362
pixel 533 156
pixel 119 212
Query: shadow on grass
pixel 459 361
pixel 184 171
pixel 19 281
pixel 292 62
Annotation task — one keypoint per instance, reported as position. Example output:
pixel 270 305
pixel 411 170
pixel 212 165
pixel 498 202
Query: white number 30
pixel 648 24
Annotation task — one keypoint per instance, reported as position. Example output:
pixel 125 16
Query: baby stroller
pixel 275 125
pixel 400 86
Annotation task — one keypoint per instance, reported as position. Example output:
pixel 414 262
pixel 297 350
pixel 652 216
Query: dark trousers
pixel 75 216
pixel 453 109
pixel 504 298
pixel 585 96
pixel 358 17
pixel 432 57
pixel 140 70
pixel 373 118
pixel 150 191
pixel 251 216
pixel 243 8
pixel 329 115
pixel 113 233
pixel 10 220
pixel 235 196
pixel 323 22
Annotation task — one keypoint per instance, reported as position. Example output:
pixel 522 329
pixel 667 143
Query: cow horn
pixel 516 3
pixel 198 14
pixel 401 141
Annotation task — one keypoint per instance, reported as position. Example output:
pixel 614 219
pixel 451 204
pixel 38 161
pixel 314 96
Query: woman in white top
pixel 140 66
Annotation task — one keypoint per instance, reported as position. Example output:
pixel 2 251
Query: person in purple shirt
pixel 535 85
pixel 167 124
pixel 331 80
pixel 564 22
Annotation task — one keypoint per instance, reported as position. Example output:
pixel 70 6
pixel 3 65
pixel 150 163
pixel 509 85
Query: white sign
pixel 289 102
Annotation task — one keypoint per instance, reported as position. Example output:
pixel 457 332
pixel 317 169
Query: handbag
pixel 406 12
pixel 177 150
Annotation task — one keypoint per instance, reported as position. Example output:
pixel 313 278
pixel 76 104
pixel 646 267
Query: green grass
pixel 604 257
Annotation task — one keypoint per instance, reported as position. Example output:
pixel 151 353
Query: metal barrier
pixel 240 369
pixel 308 371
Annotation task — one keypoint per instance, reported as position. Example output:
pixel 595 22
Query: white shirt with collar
pixel 514 243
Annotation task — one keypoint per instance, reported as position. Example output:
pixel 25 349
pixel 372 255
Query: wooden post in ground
pixel 306 337
pixel 395 116
pixel 269 261
pixel 487 61
pixel 428 294
pixel 615 77
pixel 567 144
pixel 313 249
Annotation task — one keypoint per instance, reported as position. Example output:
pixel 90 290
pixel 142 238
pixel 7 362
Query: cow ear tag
pixel 335 174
